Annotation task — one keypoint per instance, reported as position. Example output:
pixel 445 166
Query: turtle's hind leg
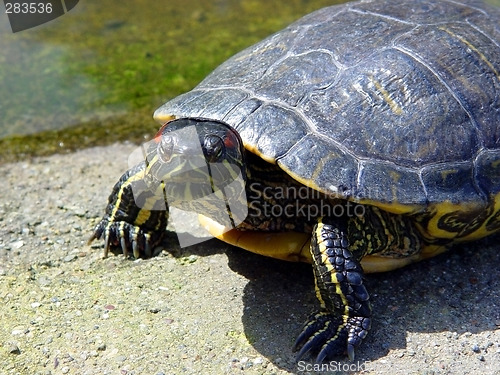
pixel 343 320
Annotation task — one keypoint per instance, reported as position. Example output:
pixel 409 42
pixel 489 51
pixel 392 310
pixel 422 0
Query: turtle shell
pixel 390 103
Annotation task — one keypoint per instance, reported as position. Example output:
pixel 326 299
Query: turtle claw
pixel 106 245
pixel 124 247
pixel 135 249
pixel 126 236
pixel 350 352
pixel 330 336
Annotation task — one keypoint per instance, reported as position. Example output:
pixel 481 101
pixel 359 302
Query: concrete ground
pixel 208 308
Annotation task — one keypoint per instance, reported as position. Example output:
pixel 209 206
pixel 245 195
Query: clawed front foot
pixel 329 335
pixel 135 218
pixel 126 236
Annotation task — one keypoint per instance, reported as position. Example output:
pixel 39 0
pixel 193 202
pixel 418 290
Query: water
pixel 106 65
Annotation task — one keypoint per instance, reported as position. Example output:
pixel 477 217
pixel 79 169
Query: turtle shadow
pixel 454 292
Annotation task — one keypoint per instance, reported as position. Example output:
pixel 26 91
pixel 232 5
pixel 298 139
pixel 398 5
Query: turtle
pixel 361 138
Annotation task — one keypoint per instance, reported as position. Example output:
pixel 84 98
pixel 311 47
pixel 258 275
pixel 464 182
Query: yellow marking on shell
pixel 395 176
pixel 310 181
pixel 395 108
pixel 440 209
pixel 473 48
pixel 163 117
pixel 393 207
pixel 482 232
pixel 450 172
pixel 320 166
pixel 254 150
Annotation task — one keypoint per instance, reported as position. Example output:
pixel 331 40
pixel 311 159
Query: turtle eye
pixel 166 148
pixel 213 148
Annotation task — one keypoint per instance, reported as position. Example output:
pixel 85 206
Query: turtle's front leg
pixel 343 320
pixel 135 217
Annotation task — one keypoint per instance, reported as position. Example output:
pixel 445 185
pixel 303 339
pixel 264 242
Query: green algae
pixel 95 75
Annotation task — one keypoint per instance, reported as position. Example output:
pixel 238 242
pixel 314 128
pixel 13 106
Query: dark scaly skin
pixel 344 315
pixel 127 226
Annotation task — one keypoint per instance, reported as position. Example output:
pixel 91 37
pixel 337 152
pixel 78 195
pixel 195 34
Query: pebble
pixel 17 331
pixel 17 245
pixel 14 349
pixel 475 348
pixel 79 211
pixel 43 281
pixel 70 258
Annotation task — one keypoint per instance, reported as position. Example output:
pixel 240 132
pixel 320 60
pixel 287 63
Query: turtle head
pixel 199 163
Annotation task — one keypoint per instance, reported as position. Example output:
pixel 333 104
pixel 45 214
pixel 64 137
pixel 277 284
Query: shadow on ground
pixel 454 292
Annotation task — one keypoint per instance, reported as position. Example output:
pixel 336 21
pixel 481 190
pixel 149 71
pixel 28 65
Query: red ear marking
pixel 229 139
pixel 157 137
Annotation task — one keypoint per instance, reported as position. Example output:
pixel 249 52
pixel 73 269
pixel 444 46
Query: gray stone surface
pixel 209 308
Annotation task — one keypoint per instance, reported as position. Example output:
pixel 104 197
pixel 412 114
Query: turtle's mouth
pixel 212 191
pixel 190 179
pixel 185 192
